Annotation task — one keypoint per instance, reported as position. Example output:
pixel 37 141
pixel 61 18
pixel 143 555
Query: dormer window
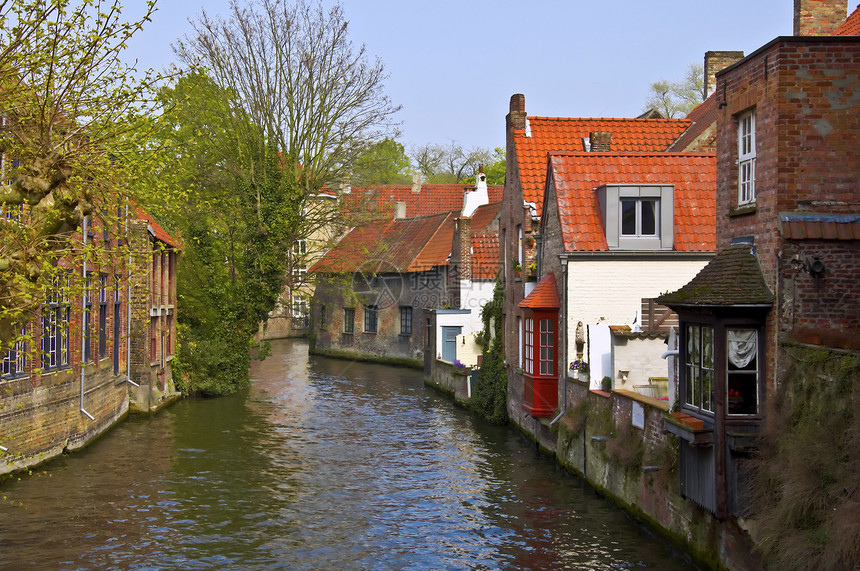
pixel 746 158
pixel 638 217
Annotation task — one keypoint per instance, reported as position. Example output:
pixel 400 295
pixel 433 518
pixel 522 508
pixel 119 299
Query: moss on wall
pixel 806 479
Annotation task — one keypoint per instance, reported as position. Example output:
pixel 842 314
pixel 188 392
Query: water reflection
pixel 322 464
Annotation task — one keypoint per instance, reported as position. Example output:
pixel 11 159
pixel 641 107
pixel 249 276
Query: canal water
pixel 321 464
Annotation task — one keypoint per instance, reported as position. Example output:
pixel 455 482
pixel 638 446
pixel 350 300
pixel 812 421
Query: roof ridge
pixel 629 154
pixel 631 119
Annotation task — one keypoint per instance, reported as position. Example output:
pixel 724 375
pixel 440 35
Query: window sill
pixel 688 428
pixel 369 332
pixel 744 210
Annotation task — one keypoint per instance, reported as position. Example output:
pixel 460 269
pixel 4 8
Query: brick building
pixel 788 234
pixel 68 379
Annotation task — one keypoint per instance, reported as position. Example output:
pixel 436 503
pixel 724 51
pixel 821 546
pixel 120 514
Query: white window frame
pixel 746 158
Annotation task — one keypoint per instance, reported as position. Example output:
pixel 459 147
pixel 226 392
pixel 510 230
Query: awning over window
pixel 543 296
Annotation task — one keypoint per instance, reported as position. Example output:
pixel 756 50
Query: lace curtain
pixel 742 346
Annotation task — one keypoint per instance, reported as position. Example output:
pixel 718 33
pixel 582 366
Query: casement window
pixel 168 336
pixel 547 347
pixel 349 320
pixel 153 339
pixel 371 318
pixel 15 360
pixel 699 368
pixel 529 345
pixel 638 217
pixel 88 321
pixel 300 307
pixel 406 320
pixel 103 303
pixel 746 158
pixel 742 371
pixel 117 321
pixel 55 326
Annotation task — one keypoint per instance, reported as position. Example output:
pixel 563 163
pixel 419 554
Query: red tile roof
pixel 851 26
pixel 549 134
pixel 378 201
pixel 543 296
pixel 159 232
pixel 697 137
pixel 693 175
pixel 484 215
pixel 485 255
pixel 408 245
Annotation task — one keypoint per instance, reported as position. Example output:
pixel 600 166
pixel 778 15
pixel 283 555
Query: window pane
pixel 649 217
pixel 628 217
pixel 742 373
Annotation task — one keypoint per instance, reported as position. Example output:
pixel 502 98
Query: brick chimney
pixel 464 244
pixel 716 61
pixel 601 141
pixel 819 17
pixel 517 114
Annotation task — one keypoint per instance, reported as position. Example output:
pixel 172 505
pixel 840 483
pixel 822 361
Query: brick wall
pixel 806 95
pixel 818 17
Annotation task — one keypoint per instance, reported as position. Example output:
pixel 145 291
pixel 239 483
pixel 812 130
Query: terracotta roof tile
pixel 484 215
pixel 701 135
pixel 160 233
pixel 543 296
pixel 485 255
pixel 733 277
pixel 851 26
pixel 578 175
pixel 378 201
pixel 408 245
pixel 550 134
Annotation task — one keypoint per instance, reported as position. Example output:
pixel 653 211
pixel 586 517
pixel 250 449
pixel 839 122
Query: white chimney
pixel 399 210
pixel 479 196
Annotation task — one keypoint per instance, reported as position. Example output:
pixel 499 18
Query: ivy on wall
pixel 491 389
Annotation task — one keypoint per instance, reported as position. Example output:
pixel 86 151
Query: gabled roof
pixel 157 231
pixel 378 201
pixel 851 26
pixel 485 255
pixel 543 296
pixel 578 175
pixel 407 245
pixel 550 134
pixel 698 137
pixel 733 277
pixel 484 215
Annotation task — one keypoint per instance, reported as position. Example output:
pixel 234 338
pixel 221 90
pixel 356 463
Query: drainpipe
pixel 128 307
pixel 83 332
pixel 564 316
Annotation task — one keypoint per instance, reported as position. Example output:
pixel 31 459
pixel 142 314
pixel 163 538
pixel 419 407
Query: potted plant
pixel 580 369
pixel 606 384
pixel 518 269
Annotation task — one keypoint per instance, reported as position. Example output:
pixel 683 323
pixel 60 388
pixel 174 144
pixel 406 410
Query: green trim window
pixel 699 365
pixel 349 320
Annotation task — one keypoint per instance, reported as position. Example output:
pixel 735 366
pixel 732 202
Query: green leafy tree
pixel 495 171
pixel 72 120
pixel 285 104
pixel 677 98
pixel 384 162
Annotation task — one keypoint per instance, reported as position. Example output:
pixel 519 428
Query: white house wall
pixel 610 292
pixel 474 295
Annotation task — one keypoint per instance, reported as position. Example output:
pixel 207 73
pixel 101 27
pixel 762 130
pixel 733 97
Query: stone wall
pixel 449 379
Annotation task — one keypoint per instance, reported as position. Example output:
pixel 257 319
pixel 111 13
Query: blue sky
pixel 454 64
